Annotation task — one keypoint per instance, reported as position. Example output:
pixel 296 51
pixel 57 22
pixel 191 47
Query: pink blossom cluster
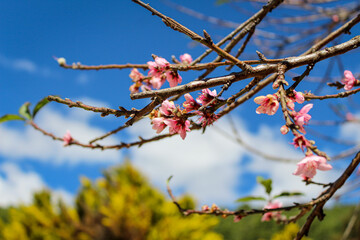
pixel 140 82
pixel 170 116
pixel 159 72
pixel 206 208
pixel 307 167
pixel 272 215
pixel 297 97
pixel 269 104
pixel 175 118
pixel 206 98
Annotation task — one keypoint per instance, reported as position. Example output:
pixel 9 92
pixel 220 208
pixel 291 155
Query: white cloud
pixel 28 143
pixel 208 166
pixel 23 64
pixel 82 78
pixel 351 130
pixel 204 165
pixel 17 186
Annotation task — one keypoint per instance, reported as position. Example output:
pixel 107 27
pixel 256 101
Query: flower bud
pixel 186 58
pixel 61 61
pixel 284 130
pixel 214 208
pixel 205 208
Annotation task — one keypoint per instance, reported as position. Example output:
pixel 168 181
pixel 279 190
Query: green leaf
pixel 24 111
pixel 168 180
pixel 288 194
pixel 266 183
pixel 40 105
pixel 10 117
pixel 250 198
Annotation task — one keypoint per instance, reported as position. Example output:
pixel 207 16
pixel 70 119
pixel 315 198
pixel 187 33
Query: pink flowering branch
pixel 148 110
pixel 326 195
pixel 294 127
pixel 316 205
pixel 176 66
pixel 257 71
pixel 210 106
pixel 343 29
pixel 36 127
pixel 99 146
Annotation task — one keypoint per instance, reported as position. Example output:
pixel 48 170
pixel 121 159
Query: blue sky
pixel 210 167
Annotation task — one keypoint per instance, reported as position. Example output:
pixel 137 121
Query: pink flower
pixel 335 18
pixel 158 124
pixel 268 104
pixel 162 63
pixel 214 208
pixel 271 215
pixel 135 75
pixel 290 103
pixel 284 129
pixel 67 138
pixel 299 97
pixel 300 141
pixel 349 80
pixel 306 168
pixel 349 117
pixel 206 96
pixel 154 70
pixel 186 58
pixel 205 208
pixel 157 81
pixel 302 117
pixel 207 118
pixel 237 218
pixel 173 78
pixel 171 116
pixel 178 125
pixel 190 104
pixel 135 87
pixel 145 88
pixel 167 107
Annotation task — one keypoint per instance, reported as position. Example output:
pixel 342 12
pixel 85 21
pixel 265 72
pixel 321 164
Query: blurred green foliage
pixel 121 205
pixel 251 227
pixel 288 233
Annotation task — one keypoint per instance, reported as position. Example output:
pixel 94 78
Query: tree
pixel 300 52
pixel 121 205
